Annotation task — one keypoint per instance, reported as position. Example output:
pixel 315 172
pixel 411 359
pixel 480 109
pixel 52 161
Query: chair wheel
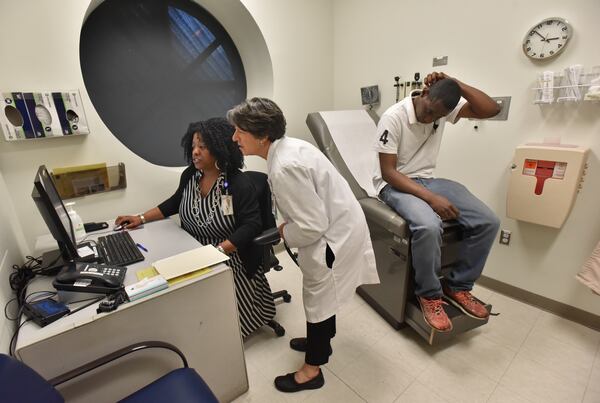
pixel 279 331
pixel 287 298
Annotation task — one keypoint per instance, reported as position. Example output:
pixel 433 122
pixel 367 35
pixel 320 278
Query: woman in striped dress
pixel 217 205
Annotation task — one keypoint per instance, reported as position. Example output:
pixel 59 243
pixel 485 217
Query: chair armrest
pixel 381 214
pixel 268 237
pixel 113 356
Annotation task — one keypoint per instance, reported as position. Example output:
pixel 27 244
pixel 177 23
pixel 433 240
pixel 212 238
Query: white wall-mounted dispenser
pixel 544 181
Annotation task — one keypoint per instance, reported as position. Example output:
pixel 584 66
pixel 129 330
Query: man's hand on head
pixel 433 77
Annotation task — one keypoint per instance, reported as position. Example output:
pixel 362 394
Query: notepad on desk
pixel 189 262
pixel 150 272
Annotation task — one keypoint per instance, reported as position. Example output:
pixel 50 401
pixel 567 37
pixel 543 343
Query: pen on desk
pixel 139 245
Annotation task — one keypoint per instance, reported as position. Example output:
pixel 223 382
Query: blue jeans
pixel 480 226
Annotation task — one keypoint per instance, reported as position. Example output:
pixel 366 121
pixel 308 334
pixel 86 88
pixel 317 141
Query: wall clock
pixel 547 39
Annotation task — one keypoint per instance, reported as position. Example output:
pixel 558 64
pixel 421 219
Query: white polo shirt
pixel 416 144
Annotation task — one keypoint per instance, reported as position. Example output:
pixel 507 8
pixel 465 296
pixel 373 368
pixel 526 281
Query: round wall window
pixel 153 66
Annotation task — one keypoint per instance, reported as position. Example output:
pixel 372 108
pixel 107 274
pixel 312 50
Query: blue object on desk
pixel 139 245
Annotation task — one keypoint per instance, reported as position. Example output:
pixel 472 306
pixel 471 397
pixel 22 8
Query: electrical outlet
pixel 504 237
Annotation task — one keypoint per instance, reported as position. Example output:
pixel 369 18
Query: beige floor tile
pixel 364 323
pixel 334 391
pixel 355 304
pixel 537 383
pixel 566 360
pixel 516 311
pixel 260 389
pixel 260 395
pixel 419 393
pixel 262 347
pixel 481 292
pixel 375 363
pixel 481 353
pixel 457 381
pixel 592 396
pixel 506 332
pixel 569 332
pixel 376 378
pixel 406 348
pixel 592 393
pixel 347 347
pixel 511 327
pixel 504 395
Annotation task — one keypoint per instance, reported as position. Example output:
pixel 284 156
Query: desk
pixel 199 316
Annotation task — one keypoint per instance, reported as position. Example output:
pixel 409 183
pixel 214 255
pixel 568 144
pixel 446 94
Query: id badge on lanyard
pixel 226 200
pixel 227 204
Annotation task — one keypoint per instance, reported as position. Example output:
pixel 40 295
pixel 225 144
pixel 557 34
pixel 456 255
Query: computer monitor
pixel 57 219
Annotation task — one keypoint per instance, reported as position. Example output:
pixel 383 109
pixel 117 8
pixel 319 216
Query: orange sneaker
pixel 434 314
pixel 466 302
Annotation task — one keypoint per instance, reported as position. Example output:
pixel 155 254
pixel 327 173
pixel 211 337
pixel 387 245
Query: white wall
pixel 300 40
pixel 11 247
pixel 375 42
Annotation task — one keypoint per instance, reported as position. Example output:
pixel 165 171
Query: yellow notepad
pixel 148 272
pixel 189 276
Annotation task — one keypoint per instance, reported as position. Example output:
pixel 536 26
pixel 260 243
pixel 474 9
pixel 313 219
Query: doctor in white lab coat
pixel 322 218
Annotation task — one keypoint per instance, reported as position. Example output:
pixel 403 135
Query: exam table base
pixel 393 297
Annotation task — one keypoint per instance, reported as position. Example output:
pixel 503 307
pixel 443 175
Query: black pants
pixel 318 341
pixel 319 335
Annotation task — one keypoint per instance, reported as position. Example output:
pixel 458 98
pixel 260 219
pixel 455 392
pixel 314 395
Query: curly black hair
pixel 216 135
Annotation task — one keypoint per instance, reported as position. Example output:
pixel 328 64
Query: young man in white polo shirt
pixel 408 140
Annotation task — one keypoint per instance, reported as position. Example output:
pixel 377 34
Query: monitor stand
pixel 53 261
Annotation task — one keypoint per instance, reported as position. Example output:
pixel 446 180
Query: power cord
pixel 13 341
pixel 93 301
pixel 22 275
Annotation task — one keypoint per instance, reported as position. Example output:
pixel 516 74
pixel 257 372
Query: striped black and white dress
pixel 203 218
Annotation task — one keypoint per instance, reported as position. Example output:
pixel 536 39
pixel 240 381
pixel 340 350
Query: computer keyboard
pixel 119 249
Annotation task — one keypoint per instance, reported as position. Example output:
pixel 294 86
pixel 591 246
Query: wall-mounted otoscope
pixel 397 86
pixel 417 83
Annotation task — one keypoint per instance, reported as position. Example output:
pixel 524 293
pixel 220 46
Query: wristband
pixel 142 218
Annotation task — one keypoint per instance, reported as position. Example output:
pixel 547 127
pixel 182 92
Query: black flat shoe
pixel 287 383
pixel 298 344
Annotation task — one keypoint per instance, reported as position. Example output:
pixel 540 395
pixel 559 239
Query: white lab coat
pixel 320 210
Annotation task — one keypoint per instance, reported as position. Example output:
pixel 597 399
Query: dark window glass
pixel 153 66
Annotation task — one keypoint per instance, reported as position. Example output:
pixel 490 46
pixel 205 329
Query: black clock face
pixel 547 39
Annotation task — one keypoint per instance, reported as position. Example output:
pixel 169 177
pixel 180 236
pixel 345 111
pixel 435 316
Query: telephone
pixel 90 277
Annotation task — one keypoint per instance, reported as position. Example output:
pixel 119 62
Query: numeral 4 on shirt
pixel 384 137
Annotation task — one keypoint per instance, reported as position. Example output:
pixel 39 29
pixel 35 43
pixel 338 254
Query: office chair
pixel 268 238
pixel 20 383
